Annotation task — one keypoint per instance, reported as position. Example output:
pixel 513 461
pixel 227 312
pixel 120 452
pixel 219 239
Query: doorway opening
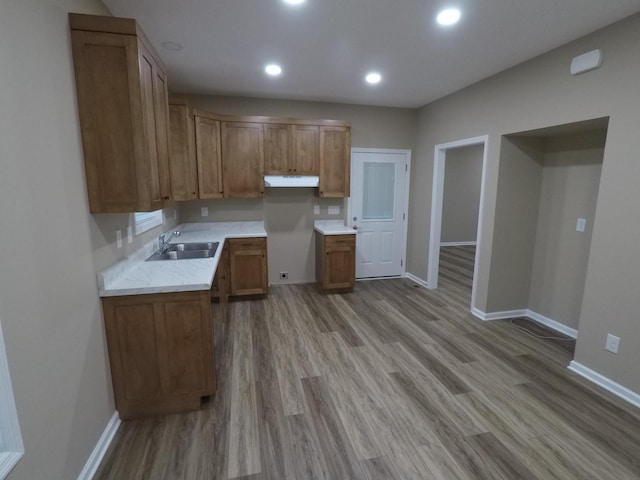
pixel 442 151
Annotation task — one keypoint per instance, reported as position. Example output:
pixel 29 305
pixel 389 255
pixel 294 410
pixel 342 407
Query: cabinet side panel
pixel 104 90
pixel 185 346
pixel 137 350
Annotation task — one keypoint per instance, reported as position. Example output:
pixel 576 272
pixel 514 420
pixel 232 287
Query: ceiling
pixel 326 47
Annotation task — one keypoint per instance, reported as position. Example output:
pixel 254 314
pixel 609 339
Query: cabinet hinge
pixel 406 167
pixel 404 216
pixel 402 263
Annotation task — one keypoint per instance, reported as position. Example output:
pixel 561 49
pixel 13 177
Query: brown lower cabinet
pixel 160 351
pixel 248 266
pixel 336 261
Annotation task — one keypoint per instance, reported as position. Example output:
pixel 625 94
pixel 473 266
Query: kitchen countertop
pixel 134 276
pixel 332 227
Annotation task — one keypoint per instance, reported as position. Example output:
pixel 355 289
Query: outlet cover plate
pixel 204 211
pixel 334 210
pixel 613 343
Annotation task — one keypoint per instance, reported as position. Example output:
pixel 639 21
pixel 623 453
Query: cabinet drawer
pixel 247 243
pixel 339 240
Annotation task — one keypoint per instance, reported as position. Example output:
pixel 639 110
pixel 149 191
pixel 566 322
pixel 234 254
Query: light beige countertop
pixel 134 276
pixel 332 227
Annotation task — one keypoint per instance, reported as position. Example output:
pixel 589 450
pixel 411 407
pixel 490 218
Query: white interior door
pixel 377 211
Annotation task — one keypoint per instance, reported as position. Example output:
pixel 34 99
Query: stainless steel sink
pixel 185 251
pixel 186 247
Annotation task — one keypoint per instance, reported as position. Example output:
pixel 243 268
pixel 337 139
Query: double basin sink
pixel 185 251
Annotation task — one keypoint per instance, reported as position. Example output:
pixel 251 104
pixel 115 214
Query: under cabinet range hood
pixel 291 181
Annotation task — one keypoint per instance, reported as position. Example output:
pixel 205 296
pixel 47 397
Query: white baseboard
pixel 418 280
pixel 547 322
pixel 459 244
pixel 618 390
pixel 100 449
pixel 552 324
pixel 486 317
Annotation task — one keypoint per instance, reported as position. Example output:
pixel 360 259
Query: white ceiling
pixel 325 47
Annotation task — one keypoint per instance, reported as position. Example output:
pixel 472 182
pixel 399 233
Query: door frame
pixel 439 158
pixel 407 154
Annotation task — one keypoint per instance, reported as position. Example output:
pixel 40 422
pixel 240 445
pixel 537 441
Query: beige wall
pixel 49 306
pixel 538 94
pixel 516 220
pixel 570 182
pixel 461 199
pixel 288 213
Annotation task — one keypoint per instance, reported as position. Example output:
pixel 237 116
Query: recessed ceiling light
pixel 447 17
pixel 373 78
pixel 273 69
pixel 172 46
pixel 294 2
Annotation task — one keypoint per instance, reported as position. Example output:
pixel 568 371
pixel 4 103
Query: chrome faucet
pixel 164 242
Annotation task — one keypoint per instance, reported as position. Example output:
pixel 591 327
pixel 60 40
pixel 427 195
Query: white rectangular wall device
pixel 585 62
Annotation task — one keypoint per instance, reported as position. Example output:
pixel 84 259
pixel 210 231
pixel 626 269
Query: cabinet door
pixel 248 265
pixel 161 111
pixel 208 157
pixel 277 149
pixel 152 194
pixel 242 159
pixel 306 149
pixel 220 287
pixel 182 161
pixel 335 161
pixel 339 265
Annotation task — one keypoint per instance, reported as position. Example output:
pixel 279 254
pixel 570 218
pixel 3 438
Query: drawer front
pixel 248 243
pixel 339 240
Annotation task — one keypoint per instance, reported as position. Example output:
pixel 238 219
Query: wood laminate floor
pixel 391 381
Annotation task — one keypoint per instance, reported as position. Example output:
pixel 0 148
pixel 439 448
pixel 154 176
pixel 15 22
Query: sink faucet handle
pixel 161 239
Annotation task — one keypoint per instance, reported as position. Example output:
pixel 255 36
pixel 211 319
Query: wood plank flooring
pixel 392 381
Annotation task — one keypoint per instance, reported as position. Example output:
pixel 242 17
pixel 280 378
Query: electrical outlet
pixel 118 238
pixel 284 275
pixel 204 211
pixel 334 210
pixel 129 234
pixel 581 224
pixel 613 343
pixel 316 209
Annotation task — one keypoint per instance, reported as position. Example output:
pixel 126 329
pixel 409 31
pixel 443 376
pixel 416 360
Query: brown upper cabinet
pixel 242 159
pixel 124 114
pixel 335 161
pixel 182 161
pixel 291 149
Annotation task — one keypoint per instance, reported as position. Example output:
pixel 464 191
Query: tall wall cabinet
pixel 124 114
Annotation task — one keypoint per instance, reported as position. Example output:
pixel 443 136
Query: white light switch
pixel 334 210
pixel 581 224
pixel 316 209
pixel 129 234
pixel 118 238
pixel 204 211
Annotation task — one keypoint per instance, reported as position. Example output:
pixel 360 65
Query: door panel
pixel 377 211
